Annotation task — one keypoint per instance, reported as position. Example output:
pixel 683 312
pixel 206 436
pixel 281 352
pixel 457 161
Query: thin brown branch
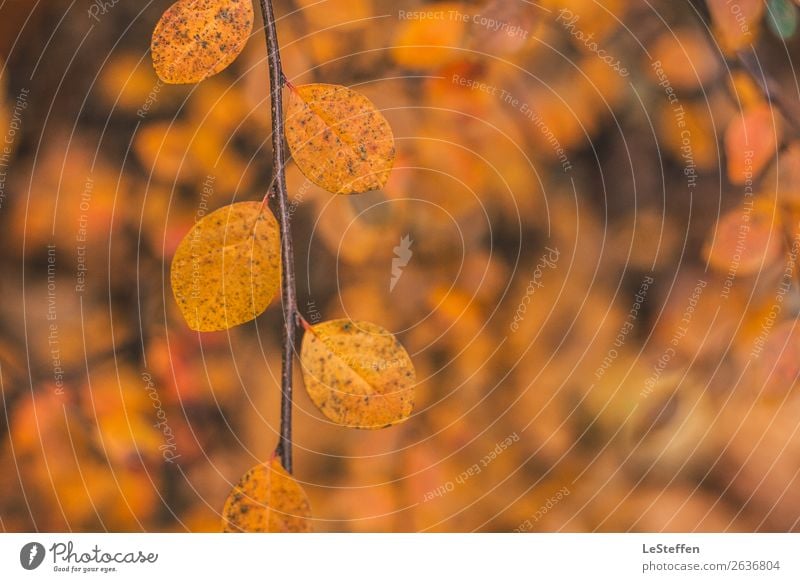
pixel 769 87
pixel 749 62
pixel 279 202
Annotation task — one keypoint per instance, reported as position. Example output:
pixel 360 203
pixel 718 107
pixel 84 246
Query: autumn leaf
pixel 736 25
pixel 432 39
pixel 746 240
pixel 358 374
pixel 515 20
pixel 751 141
pixel 686 58
pixel 338 139
pixel 195 39
pixel 777 369
pixel 227 268
pixel 267 499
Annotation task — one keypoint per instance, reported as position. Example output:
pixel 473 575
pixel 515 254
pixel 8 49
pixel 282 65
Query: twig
pixel 280 207
pixel 769 87
pixel 748 61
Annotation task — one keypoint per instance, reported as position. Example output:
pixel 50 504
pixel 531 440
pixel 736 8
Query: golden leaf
pixel 227 268
pixel 267 499
pixel 357 373
pixel 195 39
pixel 338 139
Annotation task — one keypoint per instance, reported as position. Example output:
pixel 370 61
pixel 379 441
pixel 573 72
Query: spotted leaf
pixel 195 39
pixel 338 139
pixel 267 499
pixel 358 374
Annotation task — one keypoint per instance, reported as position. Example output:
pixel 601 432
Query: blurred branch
pixel 749 62
pixel 769 87
pixel 279 198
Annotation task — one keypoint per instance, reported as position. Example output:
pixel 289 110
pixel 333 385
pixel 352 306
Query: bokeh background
pixel 600 301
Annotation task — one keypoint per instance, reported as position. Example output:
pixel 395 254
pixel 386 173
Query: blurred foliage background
pixel 595 333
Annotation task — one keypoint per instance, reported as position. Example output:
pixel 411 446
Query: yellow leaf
pixel 338 139
pixel 195 39
pixel 227 268
pixel 267 499
pixel 357 374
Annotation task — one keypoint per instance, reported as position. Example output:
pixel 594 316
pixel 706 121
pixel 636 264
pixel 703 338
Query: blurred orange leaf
pixel 751 141
pixel 735 22
pixel 687 58
pixel 747 239
pixel 502 27
pixel 777 368
pixel 430 38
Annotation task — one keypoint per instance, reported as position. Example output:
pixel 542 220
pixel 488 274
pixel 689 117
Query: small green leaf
pixel 782 18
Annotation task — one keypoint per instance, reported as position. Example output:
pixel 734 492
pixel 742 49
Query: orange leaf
pixel 735 22
pixel 751 141
pixel 746 240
